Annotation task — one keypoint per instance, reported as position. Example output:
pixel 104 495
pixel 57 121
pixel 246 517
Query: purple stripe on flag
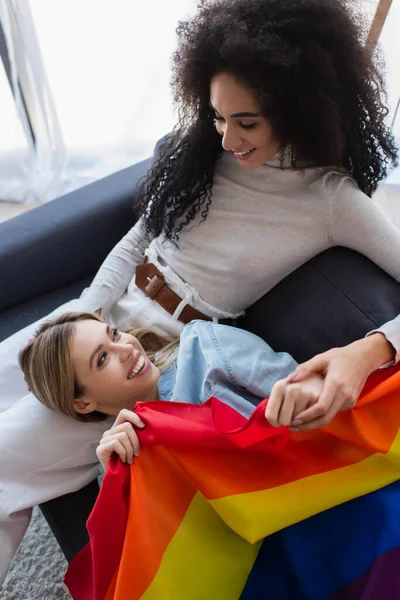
pixel 381 580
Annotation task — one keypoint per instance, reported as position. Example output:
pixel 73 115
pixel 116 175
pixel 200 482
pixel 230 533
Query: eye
pixel 101 359
pixel 248 127
pixel 115 334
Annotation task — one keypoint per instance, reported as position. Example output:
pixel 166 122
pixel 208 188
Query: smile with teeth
pixel 244 153
pixel 137 368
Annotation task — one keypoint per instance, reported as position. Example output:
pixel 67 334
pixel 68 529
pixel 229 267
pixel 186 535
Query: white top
pixel 260 227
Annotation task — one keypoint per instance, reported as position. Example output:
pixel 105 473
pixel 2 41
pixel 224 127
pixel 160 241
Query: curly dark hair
pixel 317 83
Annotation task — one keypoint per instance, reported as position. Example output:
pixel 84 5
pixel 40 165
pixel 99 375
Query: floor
pixel 38 569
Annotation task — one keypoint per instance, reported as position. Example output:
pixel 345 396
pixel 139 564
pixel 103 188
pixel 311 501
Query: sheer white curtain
pixel 38 167
pixel 95 78
pixel 107 63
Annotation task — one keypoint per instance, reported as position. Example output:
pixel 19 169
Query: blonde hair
pixel 47 365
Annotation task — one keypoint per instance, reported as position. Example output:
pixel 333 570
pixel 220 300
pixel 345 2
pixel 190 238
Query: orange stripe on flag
pixel 159 503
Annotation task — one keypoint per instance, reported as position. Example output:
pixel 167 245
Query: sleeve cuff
pixel 93 298
pixel 391 331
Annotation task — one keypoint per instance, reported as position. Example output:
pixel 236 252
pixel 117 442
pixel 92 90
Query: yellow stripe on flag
pixel 254 515
pixel 207 558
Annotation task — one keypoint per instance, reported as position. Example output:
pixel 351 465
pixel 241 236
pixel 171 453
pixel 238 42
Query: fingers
pixel 104 452
pixel 126 435
pixel 275 402
pixel 322 407
pixel 126 415
pixel 317 364
pixel 322 421
pixel 286 401
pixel 334 392
pixel 121 438
pixel 295 402
pixel 286 412
pixel 345 374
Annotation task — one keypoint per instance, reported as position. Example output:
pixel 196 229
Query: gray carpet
pixel 38 568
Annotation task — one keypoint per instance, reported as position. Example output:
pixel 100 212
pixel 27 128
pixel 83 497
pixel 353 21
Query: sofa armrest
pixel 67 239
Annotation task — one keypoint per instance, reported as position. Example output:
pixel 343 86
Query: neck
pixel 152 395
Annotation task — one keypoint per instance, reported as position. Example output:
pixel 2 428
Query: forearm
pixel 376 350
pixel 357 223
pixel 391 332
pixel 117 270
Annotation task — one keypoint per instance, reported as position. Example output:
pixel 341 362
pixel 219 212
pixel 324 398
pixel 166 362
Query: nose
pixel 124 351
pixel 231 138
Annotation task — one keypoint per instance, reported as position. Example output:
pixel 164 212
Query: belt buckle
pixel 154 285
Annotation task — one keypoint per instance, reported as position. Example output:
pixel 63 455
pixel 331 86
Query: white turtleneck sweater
pixel 261 226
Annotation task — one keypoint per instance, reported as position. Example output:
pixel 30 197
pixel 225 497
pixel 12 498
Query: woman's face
pixel 112 367
pixel 244 130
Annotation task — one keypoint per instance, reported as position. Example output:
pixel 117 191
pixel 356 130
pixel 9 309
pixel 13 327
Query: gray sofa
pixel 48 255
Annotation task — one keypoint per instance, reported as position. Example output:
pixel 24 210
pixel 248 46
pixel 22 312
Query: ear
pixel 84 406
pixel 98 312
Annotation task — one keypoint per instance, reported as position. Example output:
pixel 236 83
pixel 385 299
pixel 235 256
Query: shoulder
pixel 340 184
pixel 343 196
pixel 229 344
pixel 216 333
pixel 347 208
pixel 331 180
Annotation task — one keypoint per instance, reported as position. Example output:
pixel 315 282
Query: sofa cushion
pixel 24 314
pixel 65 240
pixel 332 300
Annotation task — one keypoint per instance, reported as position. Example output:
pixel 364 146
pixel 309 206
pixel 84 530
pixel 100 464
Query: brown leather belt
pixel 152 283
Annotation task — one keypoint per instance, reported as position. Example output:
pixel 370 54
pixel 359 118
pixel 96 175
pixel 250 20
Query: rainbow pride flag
pixel 220 507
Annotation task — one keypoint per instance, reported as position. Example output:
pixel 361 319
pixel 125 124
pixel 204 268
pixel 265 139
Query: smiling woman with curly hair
pixel 316 83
